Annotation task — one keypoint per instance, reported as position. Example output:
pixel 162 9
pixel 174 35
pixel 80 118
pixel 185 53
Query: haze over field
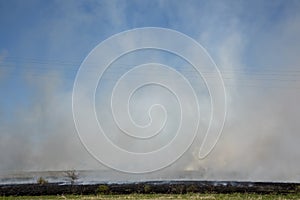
pixel 255 44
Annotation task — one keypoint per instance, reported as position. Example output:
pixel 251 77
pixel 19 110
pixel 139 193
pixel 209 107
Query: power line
pixel 38 66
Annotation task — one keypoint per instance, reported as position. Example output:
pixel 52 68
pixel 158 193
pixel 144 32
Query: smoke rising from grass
pixel 260 140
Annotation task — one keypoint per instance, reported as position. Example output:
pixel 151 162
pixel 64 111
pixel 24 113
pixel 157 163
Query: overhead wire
pixel 70 68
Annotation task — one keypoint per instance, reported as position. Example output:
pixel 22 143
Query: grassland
pixel 235 196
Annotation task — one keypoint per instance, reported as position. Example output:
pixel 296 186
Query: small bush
pixel 298 188
pixel 72 175
pixel 41 181
pixel 177 189
pixel 147 188
pixel 102 189
pixel 191 188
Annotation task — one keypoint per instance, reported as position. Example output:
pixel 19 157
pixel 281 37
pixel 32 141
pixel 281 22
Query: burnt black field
pixel 166 187
pixel 106 182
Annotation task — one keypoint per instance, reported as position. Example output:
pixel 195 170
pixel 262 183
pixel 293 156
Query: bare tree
pixel 73 175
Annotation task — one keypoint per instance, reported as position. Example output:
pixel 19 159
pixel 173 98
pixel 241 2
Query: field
pixel 154 190
pixel 235 196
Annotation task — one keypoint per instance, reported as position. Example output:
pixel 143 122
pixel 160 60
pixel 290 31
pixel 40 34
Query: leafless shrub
pixel 73 175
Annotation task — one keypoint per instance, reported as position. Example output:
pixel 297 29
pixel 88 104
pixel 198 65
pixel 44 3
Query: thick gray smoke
pixel 260 140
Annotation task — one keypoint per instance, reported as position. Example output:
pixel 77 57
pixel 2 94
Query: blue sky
pixel 43 30
pixel 54 32
pixel 256 45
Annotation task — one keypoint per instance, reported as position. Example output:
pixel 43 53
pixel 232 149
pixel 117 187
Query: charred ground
pixel 166 187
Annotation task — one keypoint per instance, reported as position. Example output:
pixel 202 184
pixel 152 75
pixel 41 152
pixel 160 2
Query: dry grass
pixel 236 196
